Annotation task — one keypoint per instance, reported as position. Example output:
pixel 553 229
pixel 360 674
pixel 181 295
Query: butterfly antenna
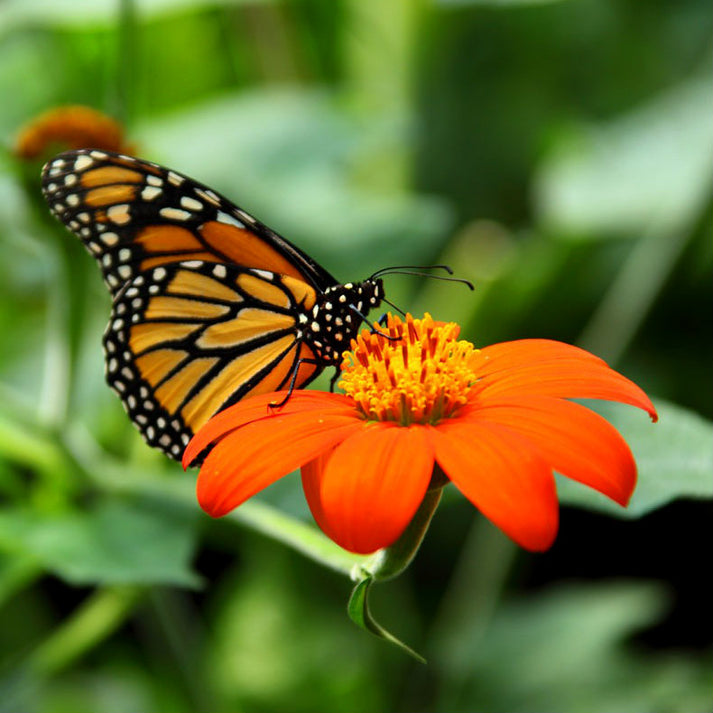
pixel 387 270
pixel 420 271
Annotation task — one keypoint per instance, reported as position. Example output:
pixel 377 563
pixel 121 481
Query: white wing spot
pixel 229 219
pixel 175 214
pixel 150 192
pixel 262 273
pixel 118 214
pixel 208 195
pixel 84 162
pixel 191 203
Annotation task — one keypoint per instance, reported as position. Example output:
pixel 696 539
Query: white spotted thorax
pixel 209 304
pixel 337 317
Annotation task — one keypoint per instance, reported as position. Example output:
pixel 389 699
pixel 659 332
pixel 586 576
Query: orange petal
pixel 541 367
pixel 257 408
pixel 503 476
pixel 574 440
pixel 311 482
pixel 254 456
pixel 365 494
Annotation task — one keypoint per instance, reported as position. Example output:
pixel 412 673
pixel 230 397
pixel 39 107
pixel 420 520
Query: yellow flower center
pixel 420 373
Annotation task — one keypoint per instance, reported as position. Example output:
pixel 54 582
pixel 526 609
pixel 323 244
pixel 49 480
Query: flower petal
pixel 257 408
pixel 365 494
pixel 252 457
pixel 574 440
pixel 503 476
pixel 541 367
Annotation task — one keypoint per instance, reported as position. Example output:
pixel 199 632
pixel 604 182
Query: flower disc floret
pixel 418 371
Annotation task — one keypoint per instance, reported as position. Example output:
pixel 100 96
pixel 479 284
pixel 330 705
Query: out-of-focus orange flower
pixel 494 419
pixel 70 127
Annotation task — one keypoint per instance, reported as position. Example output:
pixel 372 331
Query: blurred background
pixel 558 154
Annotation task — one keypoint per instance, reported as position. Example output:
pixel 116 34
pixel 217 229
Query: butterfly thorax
pixel 336 317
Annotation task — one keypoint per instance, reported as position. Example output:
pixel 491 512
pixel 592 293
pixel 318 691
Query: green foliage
pixel 559 155
pixel 565 649
pixel 113 542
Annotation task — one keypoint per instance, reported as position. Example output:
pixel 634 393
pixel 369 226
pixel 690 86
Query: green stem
pixel 630 297
pixel 96 619
pixel 391 561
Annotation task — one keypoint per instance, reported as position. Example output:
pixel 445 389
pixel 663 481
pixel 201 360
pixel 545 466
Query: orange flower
pixel 494 419
pixel 70 127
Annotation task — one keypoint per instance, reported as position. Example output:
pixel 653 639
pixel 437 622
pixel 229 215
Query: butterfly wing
pixel 134 215
pixel 186 340
pixel 206 298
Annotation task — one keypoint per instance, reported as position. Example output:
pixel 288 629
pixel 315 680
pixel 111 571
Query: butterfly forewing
pixel 133 215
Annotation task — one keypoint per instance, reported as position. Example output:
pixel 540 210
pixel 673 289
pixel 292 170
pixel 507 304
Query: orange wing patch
pixel 248 324
pixel 167 239
pixel 183 308
pixel 243 247
pixel 302 293
pixel 156 365
pixel 108 195
pixel 264 291
pixel 241 369
pixel 194 283
pixel 107 175
pixel 146 335
pixel 172 393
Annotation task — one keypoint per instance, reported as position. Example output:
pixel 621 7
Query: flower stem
pixel 98 617
pixel 391 561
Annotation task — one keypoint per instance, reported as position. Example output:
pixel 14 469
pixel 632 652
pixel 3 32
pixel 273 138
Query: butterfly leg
pixel 293 379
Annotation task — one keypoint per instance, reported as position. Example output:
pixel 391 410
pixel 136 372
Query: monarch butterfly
pixel 209 305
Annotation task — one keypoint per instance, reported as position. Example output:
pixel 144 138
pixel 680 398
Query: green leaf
pixel 674 459
pixel 567 649
pixel 649 170
pixel 115 542
pixel 80 13
pixel 505 4
pixel 358 610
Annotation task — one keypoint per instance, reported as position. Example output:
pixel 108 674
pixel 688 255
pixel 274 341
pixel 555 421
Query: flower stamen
pixel 421 374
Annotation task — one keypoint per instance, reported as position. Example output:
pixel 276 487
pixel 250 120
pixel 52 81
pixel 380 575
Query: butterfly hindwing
pixel 188 339
pixel 134 215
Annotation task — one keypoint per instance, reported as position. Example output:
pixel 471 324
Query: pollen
pixel 414 371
